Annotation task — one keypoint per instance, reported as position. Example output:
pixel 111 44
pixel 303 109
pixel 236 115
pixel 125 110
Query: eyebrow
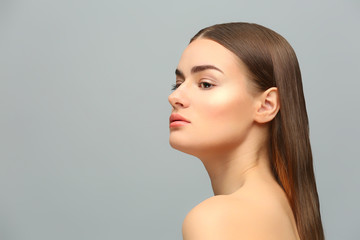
pixel 197 69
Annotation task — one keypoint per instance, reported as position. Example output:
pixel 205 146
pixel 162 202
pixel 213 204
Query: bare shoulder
pixel 228 217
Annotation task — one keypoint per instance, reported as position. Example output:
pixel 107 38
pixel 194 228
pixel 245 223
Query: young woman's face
pixel 213 97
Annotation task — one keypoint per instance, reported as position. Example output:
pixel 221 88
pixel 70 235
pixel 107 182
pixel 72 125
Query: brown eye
pixel 175 86
pixel 205 85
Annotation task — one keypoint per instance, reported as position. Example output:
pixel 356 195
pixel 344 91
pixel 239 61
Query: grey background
pixel 84 150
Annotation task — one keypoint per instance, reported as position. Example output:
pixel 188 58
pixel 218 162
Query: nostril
pixel 179 103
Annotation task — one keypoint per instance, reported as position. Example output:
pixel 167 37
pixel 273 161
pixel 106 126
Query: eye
pixel 205 85
pixel 175 86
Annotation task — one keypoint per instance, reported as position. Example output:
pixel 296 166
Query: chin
pixel 192 146
pixel 184 145
pixel 203 147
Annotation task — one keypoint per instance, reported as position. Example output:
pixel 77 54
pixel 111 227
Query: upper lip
pixel 177 117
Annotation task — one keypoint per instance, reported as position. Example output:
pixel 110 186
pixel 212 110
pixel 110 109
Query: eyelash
pixel 176 85
pixel 206 84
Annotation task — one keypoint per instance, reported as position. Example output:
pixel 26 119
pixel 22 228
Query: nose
pixel 178 99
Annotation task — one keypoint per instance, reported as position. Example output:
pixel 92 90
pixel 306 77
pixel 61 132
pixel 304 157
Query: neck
pixel 230 171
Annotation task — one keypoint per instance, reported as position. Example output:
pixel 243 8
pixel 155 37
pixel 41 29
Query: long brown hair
pixel 272 62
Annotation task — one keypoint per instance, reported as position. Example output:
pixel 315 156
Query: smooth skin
pixel 228 132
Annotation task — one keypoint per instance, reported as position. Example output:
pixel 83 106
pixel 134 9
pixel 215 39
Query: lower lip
pixel 178 123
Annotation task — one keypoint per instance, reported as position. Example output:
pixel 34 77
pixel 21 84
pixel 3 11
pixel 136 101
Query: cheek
pixel 226 108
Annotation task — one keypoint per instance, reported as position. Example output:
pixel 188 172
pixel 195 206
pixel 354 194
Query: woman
pixel 239 107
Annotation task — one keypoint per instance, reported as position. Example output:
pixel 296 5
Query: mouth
pixel 176 120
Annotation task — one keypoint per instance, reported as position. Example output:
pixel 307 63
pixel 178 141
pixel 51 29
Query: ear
pixel 268 105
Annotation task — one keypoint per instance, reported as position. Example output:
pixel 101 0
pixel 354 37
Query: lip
pixel 176 120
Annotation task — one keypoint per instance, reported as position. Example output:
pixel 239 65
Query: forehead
pixel 207 52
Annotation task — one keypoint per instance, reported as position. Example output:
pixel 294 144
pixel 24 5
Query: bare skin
pixel 250 205
pixel 227 130
pixel 258 209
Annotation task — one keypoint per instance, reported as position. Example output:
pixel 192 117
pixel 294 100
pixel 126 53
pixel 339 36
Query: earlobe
pixel 269 105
